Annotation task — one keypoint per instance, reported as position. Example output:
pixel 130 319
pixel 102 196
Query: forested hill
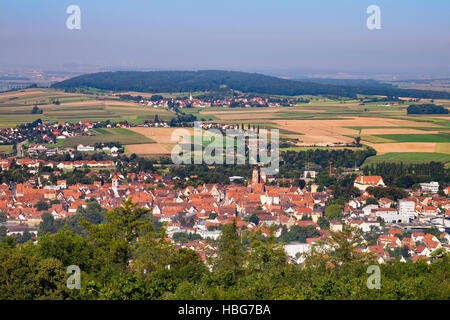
pixel 213 80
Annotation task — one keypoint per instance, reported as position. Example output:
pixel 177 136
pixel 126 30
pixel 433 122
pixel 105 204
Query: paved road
pixel 20 148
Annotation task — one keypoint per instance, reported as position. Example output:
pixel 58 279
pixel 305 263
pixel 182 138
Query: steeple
pixel 255 176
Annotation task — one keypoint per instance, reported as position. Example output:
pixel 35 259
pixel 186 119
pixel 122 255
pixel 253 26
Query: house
pixel 385 203
pixel 423 251
pixel 336 226
pixel 308 174
pixel 37 148
pixel 62 184
pixel 82 148
pixel 431 187
pixel 363 182
pixel 447 190
pixel 429 210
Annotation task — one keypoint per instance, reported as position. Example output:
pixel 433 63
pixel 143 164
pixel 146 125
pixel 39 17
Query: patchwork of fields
pixel 15 108
pixel 318 124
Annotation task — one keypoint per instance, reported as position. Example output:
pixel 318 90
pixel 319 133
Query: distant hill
pixel 371 83
pixel 214 80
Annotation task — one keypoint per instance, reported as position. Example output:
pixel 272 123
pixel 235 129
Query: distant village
pixel 240 101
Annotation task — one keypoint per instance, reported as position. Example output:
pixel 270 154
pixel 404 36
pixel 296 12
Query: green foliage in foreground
pixel 126 258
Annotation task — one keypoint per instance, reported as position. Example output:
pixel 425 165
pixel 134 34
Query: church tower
pixel 255 176
pixel 115 184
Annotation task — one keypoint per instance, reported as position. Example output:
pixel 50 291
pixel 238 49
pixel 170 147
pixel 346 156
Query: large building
pixel 391 215
pixel 363 182
pixel 407 207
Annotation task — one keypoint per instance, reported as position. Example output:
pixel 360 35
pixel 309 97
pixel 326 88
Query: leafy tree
pixel 114 239
pixel 25 277
pixel 298 234
pixel 93 213
pixel 371 201
pixel 231 254
pixel 41 205
pixel 3 232
pixel 67 247
pixel 185 237
pixel 47 224
pixel 254 219
pixel 265 256
pixel 340 248
pixel 333 211
pixel 323 223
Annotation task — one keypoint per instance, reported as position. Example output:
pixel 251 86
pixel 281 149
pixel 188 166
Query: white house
pixel 431 187
pixel 82 148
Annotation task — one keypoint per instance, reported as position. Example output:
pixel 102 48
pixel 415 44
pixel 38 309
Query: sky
pixel 282 37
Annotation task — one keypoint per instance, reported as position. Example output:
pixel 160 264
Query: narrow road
pixel 20 148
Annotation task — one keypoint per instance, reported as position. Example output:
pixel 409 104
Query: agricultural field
pixel 161 136
pixel 321 123
pixel 416 137
pixel 6 149
pixel 16 106
pixel 409 157
pixel 103 135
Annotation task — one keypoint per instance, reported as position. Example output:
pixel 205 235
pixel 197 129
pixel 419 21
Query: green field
pixel 103 135
pixel 415 137
pixel 409 157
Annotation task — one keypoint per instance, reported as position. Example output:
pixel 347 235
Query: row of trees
pixel 406 175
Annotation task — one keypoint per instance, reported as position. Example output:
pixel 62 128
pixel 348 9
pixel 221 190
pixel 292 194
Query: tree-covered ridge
pixel 127 258
pixel 215 80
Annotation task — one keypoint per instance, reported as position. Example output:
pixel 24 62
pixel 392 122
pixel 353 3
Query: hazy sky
pixel 278 36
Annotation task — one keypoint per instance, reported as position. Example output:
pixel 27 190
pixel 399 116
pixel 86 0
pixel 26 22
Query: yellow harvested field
pixel 443 148
pixel 162 136
pixel 150 149
pixel 383 148
pixel 325 132
pixel 22 94
pixel 248 111
pixel 100 102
